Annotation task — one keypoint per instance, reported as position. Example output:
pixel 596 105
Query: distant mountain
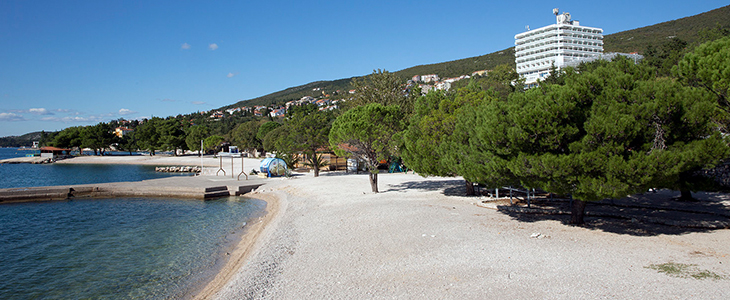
pixel 635 40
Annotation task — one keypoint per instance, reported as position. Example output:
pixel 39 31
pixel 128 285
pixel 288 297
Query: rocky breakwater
pixel 178 169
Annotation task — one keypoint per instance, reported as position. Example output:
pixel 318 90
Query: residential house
pixel 217 115
pixel 278 112
pixel 122 131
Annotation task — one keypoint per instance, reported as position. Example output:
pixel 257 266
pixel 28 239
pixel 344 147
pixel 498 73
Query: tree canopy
pixel 432 145
pixel 196 134
pixel 708 67
pixel 610 131
pixel 366 133
pixel 244 135
pixel 385 88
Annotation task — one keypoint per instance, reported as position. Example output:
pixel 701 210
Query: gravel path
pixel 333 239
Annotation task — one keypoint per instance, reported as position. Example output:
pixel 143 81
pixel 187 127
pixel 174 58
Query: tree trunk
pixel 577 212
pixel 469 188
pixel 373 181
pixel 316 169
pixel 686 195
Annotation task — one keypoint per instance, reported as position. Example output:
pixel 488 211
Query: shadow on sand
pixel 450 187
pixel 645 214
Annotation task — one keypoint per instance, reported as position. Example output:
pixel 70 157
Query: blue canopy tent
pixel 273 167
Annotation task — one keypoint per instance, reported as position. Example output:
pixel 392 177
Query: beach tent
pixel 273 167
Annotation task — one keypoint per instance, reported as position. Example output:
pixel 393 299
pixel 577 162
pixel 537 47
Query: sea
pixel 30 175
pixel 120 248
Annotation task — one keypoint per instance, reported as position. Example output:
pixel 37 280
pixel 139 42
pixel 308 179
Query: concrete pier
pixel 199 187
pixel 27 160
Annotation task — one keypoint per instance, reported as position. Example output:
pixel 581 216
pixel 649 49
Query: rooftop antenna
pixel 555 11
pixel 527 27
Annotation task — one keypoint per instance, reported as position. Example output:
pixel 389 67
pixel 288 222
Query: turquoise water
pixel 29 175
pixel 116 248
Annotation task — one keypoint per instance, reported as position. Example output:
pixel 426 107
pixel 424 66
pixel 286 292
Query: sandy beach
pixel 330 237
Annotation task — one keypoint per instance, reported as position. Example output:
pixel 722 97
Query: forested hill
pixel 453 68
pixel 23 140
pixel 687 29
pixel 635 40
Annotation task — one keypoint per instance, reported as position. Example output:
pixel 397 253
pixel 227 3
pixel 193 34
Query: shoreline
pixel 200 187
pixel 250 241
pixel 330 237
pixel 150 160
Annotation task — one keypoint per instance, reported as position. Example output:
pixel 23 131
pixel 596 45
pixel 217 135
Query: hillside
pixel 464 66
pixel 20 141
pixel 297 92
pixel 445 69
pixel 687 29
pixel 635 40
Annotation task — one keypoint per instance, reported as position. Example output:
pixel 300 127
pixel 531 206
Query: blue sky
pixel 70 63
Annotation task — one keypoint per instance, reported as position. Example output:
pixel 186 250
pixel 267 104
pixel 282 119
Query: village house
pixel 216 115
pixel 278 112
pixel 230 111
pixel 122 131
pixel 429 78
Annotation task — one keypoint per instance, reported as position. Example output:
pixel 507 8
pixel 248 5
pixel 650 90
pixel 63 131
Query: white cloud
pixel 40 111
pixel 125 111
pixel 185 46
pixel 11 117
pixel 93 119
pixel 198 102
pixel 213 46
pixel 230 75
pixel 168 100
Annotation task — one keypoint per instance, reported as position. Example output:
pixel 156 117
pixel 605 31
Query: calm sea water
pixel 28 175
pixel 116 248
pixel 122 248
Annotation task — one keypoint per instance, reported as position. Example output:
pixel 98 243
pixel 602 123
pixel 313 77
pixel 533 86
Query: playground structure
pixel 220 168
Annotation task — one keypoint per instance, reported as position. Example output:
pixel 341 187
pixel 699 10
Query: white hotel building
pixel 561 44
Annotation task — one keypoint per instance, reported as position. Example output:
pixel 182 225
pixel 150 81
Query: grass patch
pixel 685 271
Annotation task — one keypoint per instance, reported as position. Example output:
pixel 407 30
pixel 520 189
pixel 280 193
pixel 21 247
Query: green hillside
pixel 635 40
pixel 23 140
pixel 313 89
pixel 687 29
pixel 464 66
pixel 445 69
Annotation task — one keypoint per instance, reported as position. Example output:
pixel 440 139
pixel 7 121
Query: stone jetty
pixel 27 160
pixel 198 187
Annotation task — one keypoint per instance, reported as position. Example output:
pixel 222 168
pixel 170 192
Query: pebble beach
pixel 330 237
